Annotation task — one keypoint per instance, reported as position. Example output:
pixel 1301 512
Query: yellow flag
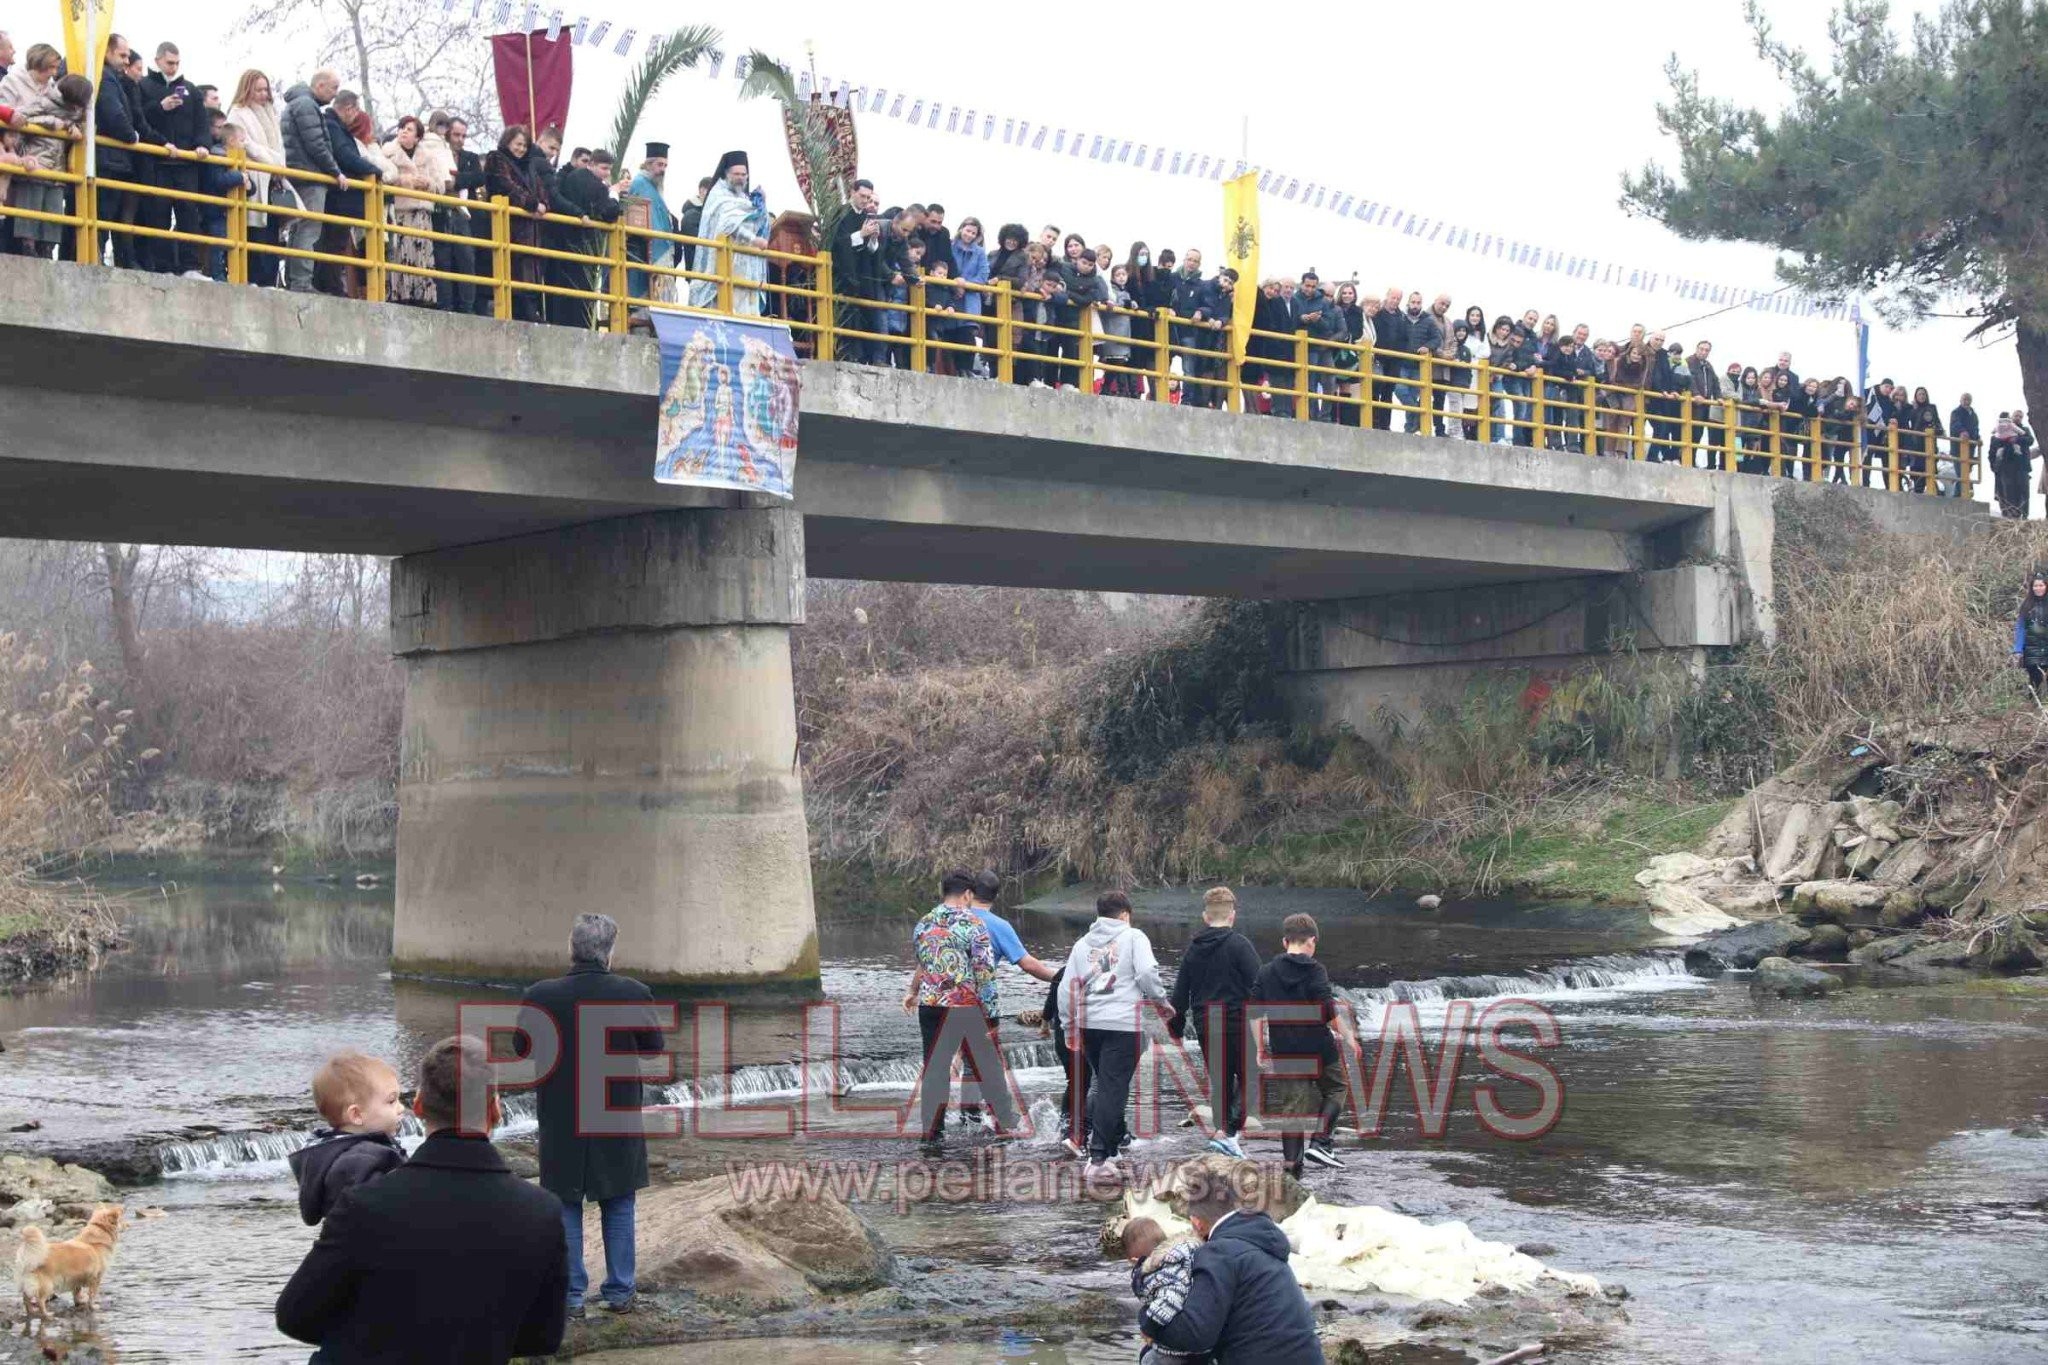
pixel 1241 252
pixel 87 26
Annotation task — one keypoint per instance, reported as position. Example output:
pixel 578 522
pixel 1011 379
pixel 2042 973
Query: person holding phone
pixel 177 114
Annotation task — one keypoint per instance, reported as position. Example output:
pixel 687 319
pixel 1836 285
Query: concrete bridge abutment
pixel 601 718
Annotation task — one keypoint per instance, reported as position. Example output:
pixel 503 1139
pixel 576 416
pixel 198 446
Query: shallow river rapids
pixel 1811 1181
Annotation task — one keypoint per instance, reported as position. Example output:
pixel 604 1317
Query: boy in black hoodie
pixel 1216 977
pixel 358 1096
pixel 1294 978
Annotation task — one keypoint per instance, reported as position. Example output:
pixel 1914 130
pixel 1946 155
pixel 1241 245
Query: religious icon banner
pixel 728 411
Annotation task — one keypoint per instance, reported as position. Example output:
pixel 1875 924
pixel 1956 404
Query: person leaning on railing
pixel 509 173
pixel 413 171
pixel 352 136
pixel 61 104
pixel 582 190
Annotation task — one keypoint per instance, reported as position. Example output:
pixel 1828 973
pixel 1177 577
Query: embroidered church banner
pixel 728 411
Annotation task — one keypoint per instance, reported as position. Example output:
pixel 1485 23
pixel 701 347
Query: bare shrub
pixel 61 746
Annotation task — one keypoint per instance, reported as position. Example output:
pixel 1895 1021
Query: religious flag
pixel 726 415
pixel 87 26
pixel 1241 253
pixel 533 75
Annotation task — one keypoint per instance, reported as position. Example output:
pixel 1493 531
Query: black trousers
pixel 1110 1059
pixel 936 1092
pixel 1223 1058
pixel 1071 1066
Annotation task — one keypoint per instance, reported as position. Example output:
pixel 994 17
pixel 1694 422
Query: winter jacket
pixel 1706 382
pixel 970 263
pixel 184 126
pixel 336 1163
pixel 1271 315
pixel 1425 332
pixel 938 246
pixel 1243 1303
pixel 305 133
pixel 1219 967
pixel 47 111
pixel 1391 326
pixel 1329 323
pixel 1291 979
pixel 111 112
pixel 2030 631
pixel 1161 1280
pixel 263 142
pixel 1108 972
pixel 575 1164
pixel 1962 424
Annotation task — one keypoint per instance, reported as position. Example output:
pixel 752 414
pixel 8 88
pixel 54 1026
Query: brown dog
pixel 43 1267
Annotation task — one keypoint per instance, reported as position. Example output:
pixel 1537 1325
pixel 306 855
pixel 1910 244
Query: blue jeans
pixel 615 1217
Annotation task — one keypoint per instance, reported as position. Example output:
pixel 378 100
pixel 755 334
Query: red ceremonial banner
pixel 533 79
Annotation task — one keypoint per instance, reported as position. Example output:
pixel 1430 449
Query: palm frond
pixel 683 48
pixel 766 76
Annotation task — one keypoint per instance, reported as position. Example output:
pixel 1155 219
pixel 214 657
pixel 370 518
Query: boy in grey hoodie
pixel 1108 972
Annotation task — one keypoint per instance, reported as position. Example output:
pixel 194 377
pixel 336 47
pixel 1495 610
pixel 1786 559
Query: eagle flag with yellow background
pixel 1241 253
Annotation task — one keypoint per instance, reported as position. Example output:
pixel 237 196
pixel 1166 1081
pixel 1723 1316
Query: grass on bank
pixel 1170 759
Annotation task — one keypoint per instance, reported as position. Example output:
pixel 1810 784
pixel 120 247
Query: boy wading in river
pixel 1217 974
pixel 1296 979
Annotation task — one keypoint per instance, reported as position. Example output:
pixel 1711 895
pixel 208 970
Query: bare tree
pixel 401 58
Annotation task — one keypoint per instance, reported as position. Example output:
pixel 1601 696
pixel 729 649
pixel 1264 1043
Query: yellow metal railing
pixel 1013 336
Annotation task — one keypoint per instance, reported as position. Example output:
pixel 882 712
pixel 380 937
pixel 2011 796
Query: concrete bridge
pixel 598 709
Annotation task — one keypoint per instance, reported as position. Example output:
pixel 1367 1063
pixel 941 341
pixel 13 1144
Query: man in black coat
pixel 855 241
pixel 1243 1305
pixel 469 184
pixel 583 190
pixel 113 113
pixel 177 114
pixel 576 1165
pixel 449 1260
pixel 1215 979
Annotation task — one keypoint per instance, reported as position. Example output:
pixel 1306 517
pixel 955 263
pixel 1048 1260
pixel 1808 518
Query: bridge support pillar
pixel 601 718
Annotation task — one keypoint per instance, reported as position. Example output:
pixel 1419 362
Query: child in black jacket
pixel 1296 978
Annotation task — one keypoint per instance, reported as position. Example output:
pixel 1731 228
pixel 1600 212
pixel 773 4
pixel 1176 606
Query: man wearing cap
pixel 651 250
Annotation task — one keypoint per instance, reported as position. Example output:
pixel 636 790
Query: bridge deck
pixel 147 408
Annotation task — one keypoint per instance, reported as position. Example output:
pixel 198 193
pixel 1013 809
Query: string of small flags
pixel 937 116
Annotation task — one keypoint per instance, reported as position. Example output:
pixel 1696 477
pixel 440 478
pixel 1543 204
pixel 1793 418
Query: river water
pixel 1811 1181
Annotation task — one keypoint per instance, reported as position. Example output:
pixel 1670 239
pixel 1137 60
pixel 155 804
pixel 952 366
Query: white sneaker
pixel 1073 1149
pixel 1036 384
pixel 1226 1145
pixel 197 275
pixel 1321 1154
pixel 1102 1170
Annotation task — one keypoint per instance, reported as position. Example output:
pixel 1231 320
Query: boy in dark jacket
pixel 1216 977
pixel 1295 978
pixel 358 1096
pixel 1243 1303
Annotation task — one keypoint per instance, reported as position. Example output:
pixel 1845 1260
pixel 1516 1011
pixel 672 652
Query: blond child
pixel 358 1096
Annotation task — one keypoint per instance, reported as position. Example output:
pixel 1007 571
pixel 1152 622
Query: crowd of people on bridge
pixel 1083 317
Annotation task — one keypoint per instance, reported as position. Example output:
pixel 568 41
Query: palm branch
pixel 823 149
pixel 684 47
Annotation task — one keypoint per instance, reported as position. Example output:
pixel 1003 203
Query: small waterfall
pixel 1604 972
pixel 260 1153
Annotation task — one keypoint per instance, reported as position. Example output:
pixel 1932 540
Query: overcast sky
pixel 1514 119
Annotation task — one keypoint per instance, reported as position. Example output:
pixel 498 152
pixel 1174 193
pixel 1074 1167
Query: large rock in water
pixel 770 1251
pixel 1782 976
pixel 1683 913
pixel 38 1177
pixel 1741 949
pixel 1839 900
